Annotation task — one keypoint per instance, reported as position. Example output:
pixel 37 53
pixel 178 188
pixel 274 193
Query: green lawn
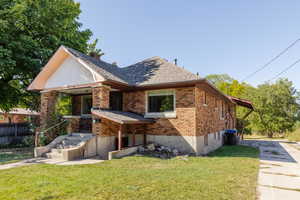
pixel 15 155
pixel 294 136
pixel 229 173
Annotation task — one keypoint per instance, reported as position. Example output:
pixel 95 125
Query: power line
pixel 285 70
pixel 272 60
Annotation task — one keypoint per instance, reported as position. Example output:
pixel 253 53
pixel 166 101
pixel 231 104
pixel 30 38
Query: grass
pixel 14 155
pixel 263 137
pixel 294 136
pixel 228 173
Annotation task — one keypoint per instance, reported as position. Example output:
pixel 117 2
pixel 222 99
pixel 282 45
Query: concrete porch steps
pixel 69 147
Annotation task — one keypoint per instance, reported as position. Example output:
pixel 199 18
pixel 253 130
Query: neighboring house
pixel 17 116
pixel 150 101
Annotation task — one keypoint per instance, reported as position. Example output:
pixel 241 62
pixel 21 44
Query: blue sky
pixel 209 37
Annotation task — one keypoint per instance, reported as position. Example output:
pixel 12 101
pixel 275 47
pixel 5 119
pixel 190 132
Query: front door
pixel 116 101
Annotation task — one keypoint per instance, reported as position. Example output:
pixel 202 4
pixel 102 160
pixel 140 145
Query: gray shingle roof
pixel 108 71
pixel 156 70
pixel 121 117
pixel 153 70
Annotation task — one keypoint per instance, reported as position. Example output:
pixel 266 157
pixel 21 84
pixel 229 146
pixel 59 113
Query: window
pixel 205 98
pixel 222 110
pixel 2 118
pixel 216 102
pixel 161 103
pixel 86 104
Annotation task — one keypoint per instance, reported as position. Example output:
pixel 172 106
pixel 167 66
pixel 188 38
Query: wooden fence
pixel 13 132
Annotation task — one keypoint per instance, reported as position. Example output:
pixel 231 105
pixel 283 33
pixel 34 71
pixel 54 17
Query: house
pixel 152 101
pixel 17 116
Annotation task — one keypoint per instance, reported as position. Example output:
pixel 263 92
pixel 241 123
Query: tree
pixel 93 51
pixel 276 107
pixel 227 84
pixel 30 32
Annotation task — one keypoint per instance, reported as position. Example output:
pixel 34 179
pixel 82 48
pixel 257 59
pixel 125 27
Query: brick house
pixel 151 101
pixel 17 116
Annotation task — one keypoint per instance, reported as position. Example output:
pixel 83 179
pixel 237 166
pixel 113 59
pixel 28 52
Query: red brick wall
pixel 192 117
pixel 134 102
pixel 208 117
pixel 48 102
pixel 101 100
pixel 101 97
pixel 183 124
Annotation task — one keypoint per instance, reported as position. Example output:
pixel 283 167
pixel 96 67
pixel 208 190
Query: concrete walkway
pixel 279 174
pixel 50 161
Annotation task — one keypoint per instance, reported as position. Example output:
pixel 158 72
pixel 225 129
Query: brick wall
pixel 134 102
pixel 101 100
pixel 183 124
pixel 209 115
pixel 101 97
pixel 192 116
pixel 48 101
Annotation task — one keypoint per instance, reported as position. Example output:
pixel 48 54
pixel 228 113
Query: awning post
pixel 120 138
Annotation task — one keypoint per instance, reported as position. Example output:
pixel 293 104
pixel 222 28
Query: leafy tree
pixel 216 79
pixel 227 84
pixel 276 107
pixel 93 51
pixel 30 32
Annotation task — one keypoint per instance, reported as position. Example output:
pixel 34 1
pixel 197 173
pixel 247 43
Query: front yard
pixel 229 173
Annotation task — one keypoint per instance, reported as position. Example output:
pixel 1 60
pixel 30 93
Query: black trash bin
pixel 230 137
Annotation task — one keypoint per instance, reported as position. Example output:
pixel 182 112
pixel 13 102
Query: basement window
pixel 206 140
pixel 160 104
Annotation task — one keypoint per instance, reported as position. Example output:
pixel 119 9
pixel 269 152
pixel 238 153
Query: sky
pixel 209 37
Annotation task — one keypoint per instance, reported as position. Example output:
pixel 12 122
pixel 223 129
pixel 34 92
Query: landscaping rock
pixel 141 149
pixel 175 152
pixel 151 147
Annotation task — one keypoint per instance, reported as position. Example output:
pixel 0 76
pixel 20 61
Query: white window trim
pixel 168 114
pixel 81 110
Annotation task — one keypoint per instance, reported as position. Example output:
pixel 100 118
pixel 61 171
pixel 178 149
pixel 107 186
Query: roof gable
pixel 71 72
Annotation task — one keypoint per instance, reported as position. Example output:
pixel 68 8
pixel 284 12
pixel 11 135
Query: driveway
pixel 279 174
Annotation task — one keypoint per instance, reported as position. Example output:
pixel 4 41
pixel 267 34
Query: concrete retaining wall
pixel 105 144
pixel 122 153
pixel 189 144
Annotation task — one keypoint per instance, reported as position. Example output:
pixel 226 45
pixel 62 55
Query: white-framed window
pixel 161 103
pixel 86 104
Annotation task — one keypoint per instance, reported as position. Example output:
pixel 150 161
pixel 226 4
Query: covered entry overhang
pixel 246 104
pixel 122 118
